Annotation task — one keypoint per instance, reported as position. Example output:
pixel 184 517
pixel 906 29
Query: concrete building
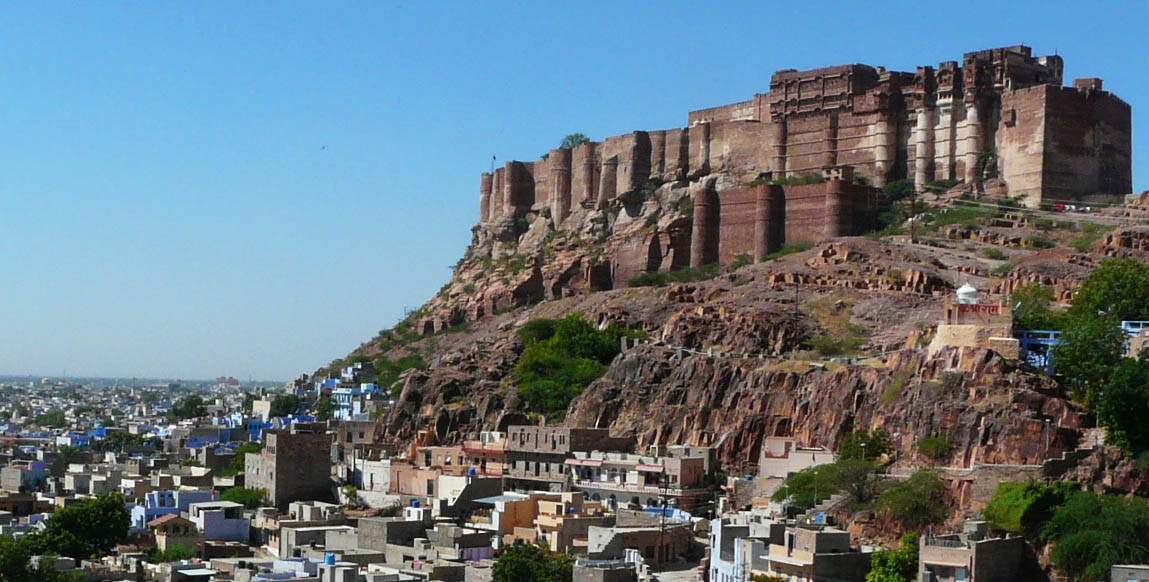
pixel 969 556
pixel 220 520
pixel 173 531
pixel 487 455
pixel 782 457
pixel 816 553
pixel 656 544
pixel 625 479
pixel 536 454
pixel 1129 573
pixel 159 503
pixel 295 464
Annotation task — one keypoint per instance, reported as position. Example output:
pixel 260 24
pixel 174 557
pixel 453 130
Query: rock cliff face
pixel 992 411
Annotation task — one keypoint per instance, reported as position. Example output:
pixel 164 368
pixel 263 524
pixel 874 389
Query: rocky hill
pixel 727 359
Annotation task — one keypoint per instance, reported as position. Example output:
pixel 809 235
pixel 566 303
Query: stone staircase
pixel 1091 439
pixel 824 507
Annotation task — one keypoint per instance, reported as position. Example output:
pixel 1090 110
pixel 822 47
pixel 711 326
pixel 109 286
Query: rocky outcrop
pixel 991 410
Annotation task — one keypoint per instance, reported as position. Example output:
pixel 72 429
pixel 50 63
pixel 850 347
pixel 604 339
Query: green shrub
pixel 516 264
pixel 899 190
pixel 555 368
pixel 995 254
pixel 648 279
pixel 941 185
pixel 249 498
pixel 1023 507
pixel 387 371
pixel 1001 270
pixel 864 445
pixel 469 289
pixel 1090 232
pixel 917 502
pixel 894 388
pixel 1093 532
pixel 935 448
pixel 830 346
pixel 741 261
pixel 789 249
pixel 1039 241
pixel 800 180
pixel 687 275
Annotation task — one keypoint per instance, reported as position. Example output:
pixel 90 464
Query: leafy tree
pixel 1116 288
pixel 248 400
pixel 16 564
pixel 1032 308
pixel 1123 405
pixel 935 448
pixel 864 445
pixel 89 528
pixel 188 407
pixel 900 565
pixel 1090 349
pixel 857 477
pixel 286 405
pixel 1093 532
pixel 237 462
pixel 52 419
pixel 808 487
pixel 250 498
pixel 572 141
pixel 530 563
pixel 917 502
pixel 324 408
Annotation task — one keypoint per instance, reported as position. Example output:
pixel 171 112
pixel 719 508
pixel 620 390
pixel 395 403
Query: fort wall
pixel 1001 107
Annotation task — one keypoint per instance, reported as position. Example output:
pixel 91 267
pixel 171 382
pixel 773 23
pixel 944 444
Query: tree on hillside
pixel 1124 405
pixel 900 565
pixel 1116 288
pixel 864 445
pixel 1032 307
pixel 572 141
pixel 916 502
pixel 1090 349
pixel 530 563
pixel 1093 532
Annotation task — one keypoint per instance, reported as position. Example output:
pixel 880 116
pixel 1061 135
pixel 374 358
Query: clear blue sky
pixel 189 189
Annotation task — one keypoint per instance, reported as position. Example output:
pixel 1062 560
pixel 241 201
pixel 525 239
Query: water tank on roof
pixel 967 294
pixel 329 559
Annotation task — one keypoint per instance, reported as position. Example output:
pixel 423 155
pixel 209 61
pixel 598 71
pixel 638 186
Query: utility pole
pixel 662 520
